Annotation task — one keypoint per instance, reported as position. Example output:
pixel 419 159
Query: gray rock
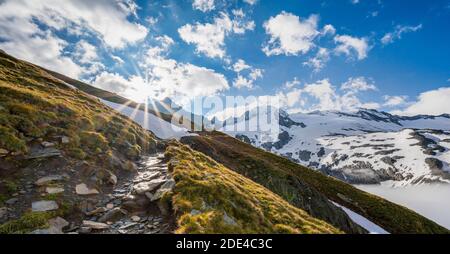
pixel 56 226
pixel 85 230
pixel 94 225
pixel 44 153
pixel 112 215
pixel 46 144
pixel 3 152
pixel 48 179
pixel 44 205
pixel 96 211
pixel 65 140
pixel 228 220
pixel 143 187
pixel 82 189
pixel 54 190
pixel 11 201
pixel 166 187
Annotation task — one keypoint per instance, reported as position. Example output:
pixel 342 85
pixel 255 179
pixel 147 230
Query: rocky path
pixel 134 206
pixel 129 203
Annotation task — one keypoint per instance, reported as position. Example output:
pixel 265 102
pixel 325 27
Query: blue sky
pixel 313 55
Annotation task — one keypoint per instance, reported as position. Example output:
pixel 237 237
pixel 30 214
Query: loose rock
pixel 143 187
pixel 54 190
pixel 11 201
pixel 94 225
pixel 112 215
pixel 44 205
pixel 48 179
pixel 82 189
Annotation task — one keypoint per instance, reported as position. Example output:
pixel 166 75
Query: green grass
pixel 269 170
pixel 210 198
pixel 28 222
pixel 35 104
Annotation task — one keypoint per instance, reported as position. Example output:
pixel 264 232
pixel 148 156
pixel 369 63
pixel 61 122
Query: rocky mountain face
pixel 364 147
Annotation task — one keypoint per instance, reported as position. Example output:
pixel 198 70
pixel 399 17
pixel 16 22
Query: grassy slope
pixel 262 167
pixel 210 198
pixel 34 105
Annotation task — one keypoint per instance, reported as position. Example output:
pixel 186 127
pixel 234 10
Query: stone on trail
pixel 94 225
pixel 48 179
pixel 82 189
pixel 54 190
pixel 143 187
pixel 44 205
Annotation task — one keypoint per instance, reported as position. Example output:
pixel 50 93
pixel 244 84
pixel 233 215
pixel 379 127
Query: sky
pixel 310 54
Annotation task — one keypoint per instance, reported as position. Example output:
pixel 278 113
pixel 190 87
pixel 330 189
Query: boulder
pixel 44 205
pixel 113 215
pixel 3 152
pixel 96 211
pixel 48 179
pixel 82 189
pixel 94 225
pixel 166 187
pixel 54 190
pixel 56 226
pixel 46 144
pixel 149 186
pixel 65 140
pixel 44 153
pixel 11 201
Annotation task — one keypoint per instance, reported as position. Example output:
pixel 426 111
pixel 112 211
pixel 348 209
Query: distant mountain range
pixel 364 147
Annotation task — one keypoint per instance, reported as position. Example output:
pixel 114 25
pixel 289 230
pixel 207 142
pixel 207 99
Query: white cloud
pixel 348 45
pixel 354 1
pixel 117 59
pixel 240 65
pixel 289 35
pixel 291 84
pixel 397 33
pixel 209 38
pixel 358 84
pixel 434 102
pixel 168 78
pixel 328 30
pixel 322 95
pixel 43 49
pixel 203 5
pixel 102 17
pixel 392 101
pixel 251 2
pixel 22 37
pixel 85 52
pixel 319 61
pixel 245 80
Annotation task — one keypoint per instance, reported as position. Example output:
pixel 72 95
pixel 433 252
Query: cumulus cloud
pixel 203 5
pixel 350 46
pixel 398 32
pixel 251 2
pixel 392 101
pixel 358 84
pixel 434 102
pixel 85 52
pixel 323 95
pixel 319 61
pixel 246 74
pixel 28 30
pixel 209 38
pixel 168 78
pixel 289 35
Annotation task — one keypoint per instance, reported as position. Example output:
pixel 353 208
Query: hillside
pixel 210 198
pixel 61 149
pixel 289 180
